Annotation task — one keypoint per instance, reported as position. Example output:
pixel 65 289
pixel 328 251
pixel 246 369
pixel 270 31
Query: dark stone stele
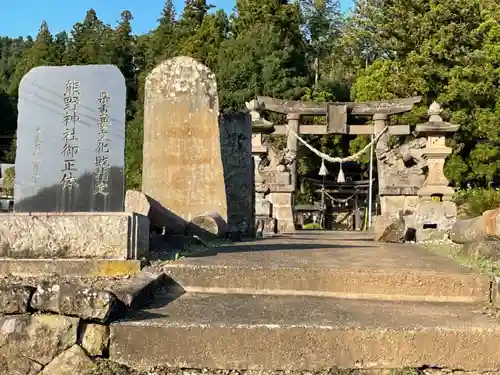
pixel 42 133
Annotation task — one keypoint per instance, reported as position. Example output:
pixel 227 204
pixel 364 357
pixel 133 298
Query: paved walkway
pixel 335 264
pixel 312 301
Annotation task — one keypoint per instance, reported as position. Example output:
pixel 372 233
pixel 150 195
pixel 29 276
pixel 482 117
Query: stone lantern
pixel 435 209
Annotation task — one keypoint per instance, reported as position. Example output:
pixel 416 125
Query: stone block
pixel 17 365
pixel 435 215
pixel 237 161
pixel 495 291
pixel 208 227
pixel 389 228
pixel 15 299
pixel 139 290
pixel 182 163
pixel 159 216
pixel 484 227
pixel 74 235
pixel 429 235
pixel 37 337
pixel 95 338
pixel 73 300
pixel 266 225
pixel 282 210
pixel 70 362
pixel 392 204
pixel 262 206
pixel 484 249
pixel 69 267
pixel 71 139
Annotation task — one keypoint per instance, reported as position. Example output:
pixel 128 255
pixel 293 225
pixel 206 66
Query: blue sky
pixel 23 17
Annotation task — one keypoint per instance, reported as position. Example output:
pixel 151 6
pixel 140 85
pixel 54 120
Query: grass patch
pixel 452 251
pixel 405 371
pixel 312 226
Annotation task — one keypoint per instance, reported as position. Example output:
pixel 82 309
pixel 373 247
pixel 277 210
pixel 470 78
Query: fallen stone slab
pixel 208 227
pixel 388 228
pixel 37 337
pixel 71 362
pixel 69 267
pixel 139 290
pixel 252 331
pixel 160 217
pixel 15 299
pixel 95 338
pixel 485 227
pixel 16 365
pixel 74 300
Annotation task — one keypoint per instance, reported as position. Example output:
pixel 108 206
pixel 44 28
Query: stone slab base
pixel 69 267
pixel 305 333
pixel 266 225
pixel 74 235
pixel 404 285
pixel 332 264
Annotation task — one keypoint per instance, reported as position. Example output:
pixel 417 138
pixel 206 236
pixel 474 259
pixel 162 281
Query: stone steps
pixel 227 331
pixel 314 301
pixel 347 266
pixel 402 285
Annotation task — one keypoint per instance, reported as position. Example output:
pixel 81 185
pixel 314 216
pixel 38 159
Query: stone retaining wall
pixel 53 327
pixel 61 327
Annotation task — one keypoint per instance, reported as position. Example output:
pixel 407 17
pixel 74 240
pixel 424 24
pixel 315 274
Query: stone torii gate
pixel 276 170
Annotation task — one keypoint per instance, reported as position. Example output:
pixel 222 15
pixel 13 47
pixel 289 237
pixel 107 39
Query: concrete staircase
pixel 315 300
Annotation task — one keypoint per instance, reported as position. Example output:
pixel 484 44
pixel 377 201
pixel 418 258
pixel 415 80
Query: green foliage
pixel 475 201
pixel 446 50
pixel 8 181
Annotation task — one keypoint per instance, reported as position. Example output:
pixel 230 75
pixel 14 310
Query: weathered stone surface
pixel 15 299
pixel 251 331
pixel 435 152
pixel 482 249
pixel 71 131
pixel 182 167
pixel 208 227
pixel 388 228
pixel 74 300
pixel 71 362
pixel 438 215
pixel 476 229
pixel 426 235
pixel 400 171
pixel 160 217
pixel 16 365
pixel 495 291
pixel 392 204
pixel 95 338
pixel 343 264
pixel 138 290
pixel 74 235
pixel 69 267
pixel 237 160
pixel 265 225
pixel 37 337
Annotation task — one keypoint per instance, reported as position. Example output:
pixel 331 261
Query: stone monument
pixel 236 147
pixel 435 209
pixel 183 168
pixel 71 140
pixel 69 184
